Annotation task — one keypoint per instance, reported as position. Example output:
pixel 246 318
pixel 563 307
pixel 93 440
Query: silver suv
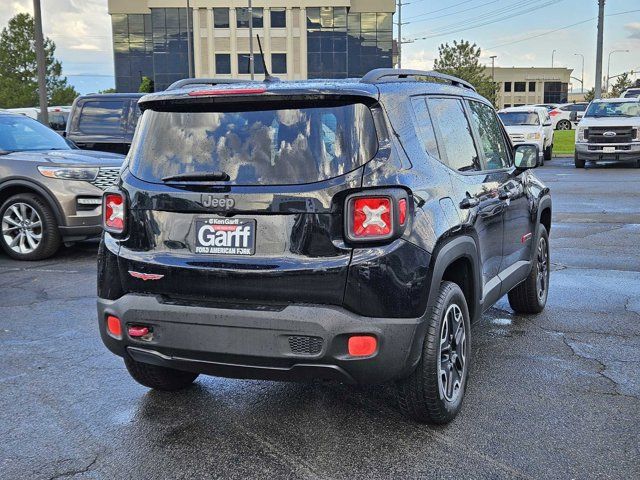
pixel 50 191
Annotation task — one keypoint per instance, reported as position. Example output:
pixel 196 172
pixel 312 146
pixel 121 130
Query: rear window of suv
pixel 305 144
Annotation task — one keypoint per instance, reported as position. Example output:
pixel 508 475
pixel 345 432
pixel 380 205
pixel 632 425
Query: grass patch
pixel 564 142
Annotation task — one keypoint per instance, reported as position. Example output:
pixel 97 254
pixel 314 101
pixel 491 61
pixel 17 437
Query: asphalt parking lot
pixel 555 395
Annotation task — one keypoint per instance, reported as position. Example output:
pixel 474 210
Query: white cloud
pixel 634 28
pixel 81 31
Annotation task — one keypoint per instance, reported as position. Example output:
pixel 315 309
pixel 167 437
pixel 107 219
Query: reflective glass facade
pixel 152 45
pixel 170 54
pixel 370 42
pixel 347 45
pixel 132 50
pixel 338 44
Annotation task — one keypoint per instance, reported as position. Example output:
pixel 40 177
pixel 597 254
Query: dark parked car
pixel 50 191
pixel 104 122
pixel 350 230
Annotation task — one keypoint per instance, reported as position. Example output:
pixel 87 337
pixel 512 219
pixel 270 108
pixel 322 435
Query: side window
pixel 492 140
pixel 100 117
pixel 424 126
pixel 455 139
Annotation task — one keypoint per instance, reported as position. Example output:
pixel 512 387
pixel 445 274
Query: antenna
pixel 267 75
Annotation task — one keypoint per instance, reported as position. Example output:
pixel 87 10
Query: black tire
pixel 564 125
pixel 420 396
pixel 548 152
pixel 578 162
pixel 49 234
pixel 527 297
pixel 159 378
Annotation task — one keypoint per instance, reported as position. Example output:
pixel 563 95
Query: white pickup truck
pixel 529 124
pixel 609 130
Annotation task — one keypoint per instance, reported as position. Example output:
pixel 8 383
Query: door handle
pixel 505 194
pixel 469 202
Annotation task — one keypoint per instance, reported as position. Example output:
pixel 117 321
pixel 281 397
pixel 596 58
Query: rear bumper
pixel 584 153
pixel 292 343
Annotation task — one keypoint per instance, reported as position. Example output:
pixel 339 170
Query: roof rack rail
pixel 394 74
pixel 204 81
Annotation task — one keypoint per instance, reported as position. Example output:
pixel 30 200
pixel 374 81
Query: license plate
pixel 608 149
pixel 225 236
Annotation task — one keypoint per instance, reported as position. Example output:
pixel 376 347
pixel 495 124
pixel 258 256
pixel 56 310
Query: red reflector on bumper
pixel 138 331
pixel 362 345
pixel 114 327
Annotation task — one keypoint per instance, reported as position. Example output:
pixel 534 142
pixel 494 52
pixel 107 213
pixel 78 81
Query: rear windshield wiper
pixel 198 176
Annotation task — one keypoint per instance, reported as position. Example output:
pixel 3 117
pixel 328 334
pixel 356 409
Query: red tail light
pixel 372 217
pixel 114 327
pixel 555 112
pixel 402 214
pixel 376 216
pixel 113 212
pixel 362 345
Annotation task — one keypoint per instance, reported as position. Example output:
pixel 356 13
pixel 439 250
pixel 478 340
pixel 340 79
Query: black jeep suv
pixel 348 230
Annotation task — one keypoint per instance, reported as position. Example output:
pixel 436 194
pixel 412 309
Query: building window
pixel 507 105
pixel 555 92
pixel 519 86
pixel 242 15
pixel 278 18
pixel 221 17
pixel 518 104
pixel 132 50
pixel 243 64
pixel 223 63
pixel 507 86
pixel 279 62
pixel 532 86
pixel 170 46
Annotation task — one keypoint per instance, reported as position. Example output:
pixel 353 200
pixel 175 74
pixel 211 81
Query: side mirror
pixel 573 116
pixel 527 155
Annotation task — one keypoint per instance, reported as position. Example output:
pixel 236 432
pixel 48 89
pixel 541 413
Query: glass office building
pixel 300 39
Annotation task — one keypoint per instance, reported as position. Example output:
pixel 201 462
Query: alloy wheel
pixel 542 278
pixel 22 228
pixel 452 364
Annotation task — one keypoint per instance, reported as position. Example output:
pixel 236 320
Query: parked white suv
pixel 609 130
pixel 631 93
pixel 529 124
pixel 563 118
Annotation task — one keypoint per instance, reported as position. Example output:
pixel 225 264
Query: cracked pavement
pixel 556 395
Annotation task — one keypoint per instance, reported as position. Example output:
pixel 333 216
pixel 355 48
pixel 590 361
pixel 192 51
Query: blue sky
pixel 82 32
pixel 510 40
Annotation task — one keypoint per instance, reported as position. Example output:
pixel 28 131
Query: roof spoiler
pixel 395 74
pixel 188 82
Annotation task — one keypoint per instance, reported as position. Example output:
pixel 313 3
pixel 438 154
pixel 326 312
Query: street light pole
pixel 609 65
pixel 251 64
pixel 189 55
pixel 582 75
pixel 41 62
pixel 598 85
pixel 493 68
pixel 399 33
pixel 552 55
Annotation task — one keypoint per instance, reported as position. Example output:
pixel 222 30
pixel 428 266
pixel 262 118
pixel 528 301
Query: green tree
pixel 146 85
pixel 107 90
pixel 18 67
pixel 462 60
pixel 590 95
pixel 622 83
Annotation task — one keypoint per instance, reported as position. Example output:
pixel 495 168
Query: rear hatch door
pixel 239 200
